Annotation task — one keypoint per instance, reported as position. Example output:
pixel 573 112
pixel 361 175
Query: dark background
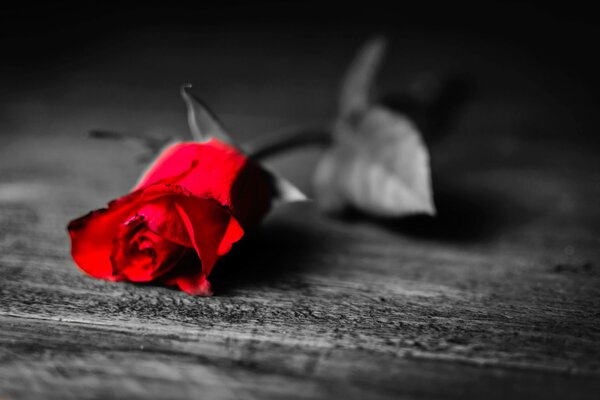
pixel 553 45
pixel 562 34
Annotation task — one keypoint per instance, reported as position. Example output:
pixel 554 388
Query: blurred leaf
pixel 378 163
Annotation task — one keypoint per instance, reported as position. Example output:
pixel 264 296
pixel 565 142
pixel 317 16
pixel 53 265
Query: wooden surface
pixel 498 297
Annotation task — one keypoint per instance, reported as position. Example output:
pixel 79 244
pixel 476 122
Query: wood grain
pixel 497 297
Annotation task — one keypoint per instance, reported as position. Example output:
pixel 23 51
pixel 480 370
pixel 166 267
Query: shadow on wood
pixel 463 216
pixel 275 250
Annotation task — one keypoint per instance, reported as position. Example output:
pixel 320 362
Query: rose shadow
pixel 461 216
pixel 277 248
pixel 283 246
pixel 464 216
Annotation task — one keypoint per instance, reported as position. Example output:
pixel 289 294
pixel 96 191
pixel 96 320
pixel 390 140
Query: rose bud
pixel 194 202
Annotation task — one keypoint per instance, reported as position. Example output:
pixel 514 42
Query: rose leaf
pixel 378 163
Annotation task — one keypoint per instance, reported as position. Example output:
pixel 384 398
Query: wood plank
pixel 141 362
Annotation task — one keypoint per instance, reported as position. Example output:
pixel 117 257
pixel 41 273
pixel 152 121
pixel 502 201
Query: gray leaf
pixel 378 163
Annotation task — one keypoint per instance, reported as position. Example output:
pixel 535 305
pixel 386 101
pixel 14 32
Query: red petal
pixel 161 216
pixel 205 169
pixel 92 235
pixel 141 255
pixel 211 227
pixel 196 285
pixel 177 159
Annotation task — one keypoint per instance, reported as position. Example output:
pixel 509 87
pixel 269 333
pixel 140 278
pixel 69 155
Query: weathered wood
pixel 497 297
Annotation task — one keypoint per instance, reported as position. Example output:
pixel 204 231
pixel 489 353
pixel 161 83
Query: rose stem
pixel 278 142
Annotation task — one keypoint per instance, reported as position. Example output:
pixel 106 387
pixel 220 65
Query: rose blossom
pixel 194 202
pixel 196 198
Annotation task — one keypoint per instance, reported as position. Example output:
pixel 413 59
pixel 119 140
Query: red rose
pixel 187 210
pixel 195 198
